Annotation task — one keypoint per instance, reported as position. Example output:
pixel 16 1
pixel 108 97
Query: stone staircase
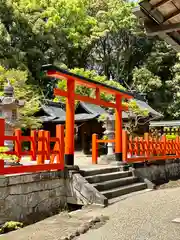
pixel 113 182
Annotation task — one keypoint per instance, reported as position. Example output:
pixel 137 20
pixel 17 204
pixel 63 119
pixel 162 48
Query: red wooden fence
pixel 95 142
pixel 141 149
pixel 39 150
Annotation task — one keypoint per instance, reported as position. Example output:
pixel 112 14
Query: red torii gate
pixel 71 96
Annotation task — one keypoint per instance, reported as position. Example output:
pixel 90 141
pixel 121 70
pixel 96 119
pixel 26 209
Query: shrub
pixel 4 155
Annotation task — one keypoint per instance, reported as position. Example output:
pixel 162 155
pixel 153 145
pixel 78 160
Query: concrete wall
pixel 32 197
pixel 158 172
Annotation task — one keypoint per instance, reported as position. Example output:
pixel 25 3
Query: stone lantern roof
pixel 8 98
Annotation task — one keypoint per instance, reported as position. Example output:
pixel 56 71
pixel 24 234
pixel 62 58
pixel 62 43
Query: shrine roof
pixel 55 111
pixel 161 18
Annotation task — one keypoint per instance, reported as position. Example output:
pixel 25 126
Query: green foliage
pixel 86 91
pixel 6 156
pixel 174 87
pixel 134 108
pixel 10 226
pixel 145 81
pixel 154 77
pixel 102 35
pixel 170 137
pixel 23 91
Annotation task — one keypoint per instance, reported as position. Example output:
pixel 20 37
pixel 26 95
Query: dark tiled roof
pixel 78 118
pixel 53 111
pixel 57 114
pixel 92 108
pixel 144 106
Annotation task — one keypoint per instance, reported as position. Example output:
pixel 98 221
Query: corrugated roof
pixel 165 123
pixel 162 18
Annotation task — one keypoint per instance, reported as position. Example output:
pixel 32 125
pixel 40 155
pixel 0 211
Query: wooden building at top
pixel 161 18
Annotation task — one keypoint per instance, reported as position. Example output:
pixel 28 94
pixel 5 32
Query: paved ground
pixel 83 161
pixel 146 216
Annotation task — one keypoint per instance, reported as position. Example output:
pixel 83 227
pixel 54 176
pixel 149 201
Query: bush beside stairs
pixel 113 182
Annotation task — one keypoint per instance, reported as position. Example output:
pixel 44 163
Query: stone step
pixel 119 191
pixel 107 185
pixel 107 176
pixel 92 172
pixel 125 196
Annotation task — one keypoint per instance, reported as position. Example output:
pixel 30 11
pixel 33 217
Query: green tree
pixel 152 76
pixel 174 88
pixel 25 92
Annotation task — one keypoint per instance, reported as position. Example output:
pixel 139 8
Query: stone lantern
pixel 109 132
pixel 9 106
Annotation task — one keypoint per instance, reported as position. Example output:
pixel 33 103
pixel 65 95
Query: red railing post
pixel 163 140
pixel 125 145
pixel 33 145
pixel 60 144
pixel 94 149
pixel 130 146
pixel 2 131
pixel 41 147
pixel 47 145
pixel 177 145
pixel 17 144
pixel 1 167
pixel 141 146
pixel 146 139
pixel 136 146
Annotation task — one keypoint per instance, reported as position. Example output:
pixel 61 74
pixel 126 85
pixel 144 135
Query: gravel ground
pixel 145 216
pixel 170 184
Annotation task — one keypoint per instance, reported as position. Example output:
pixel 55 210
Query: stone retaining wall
pixel 158 172
pixel 31 197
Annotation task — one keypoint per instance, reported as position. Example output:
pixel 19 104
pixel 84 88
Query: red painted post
pixel 124 145
pixel 1 167
pixel 136 146
pixel 94 149
pixel 2 131
pixel 118 129
pixel 177 146
pixel 70 105
pixel 40 147
pixel 17 144
pixel 141 146
pixel 163 139
pixel 130 144
pixel 146 139
pixel 47 145
pixel 61 145
pixel 33 145
pixel 53 155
